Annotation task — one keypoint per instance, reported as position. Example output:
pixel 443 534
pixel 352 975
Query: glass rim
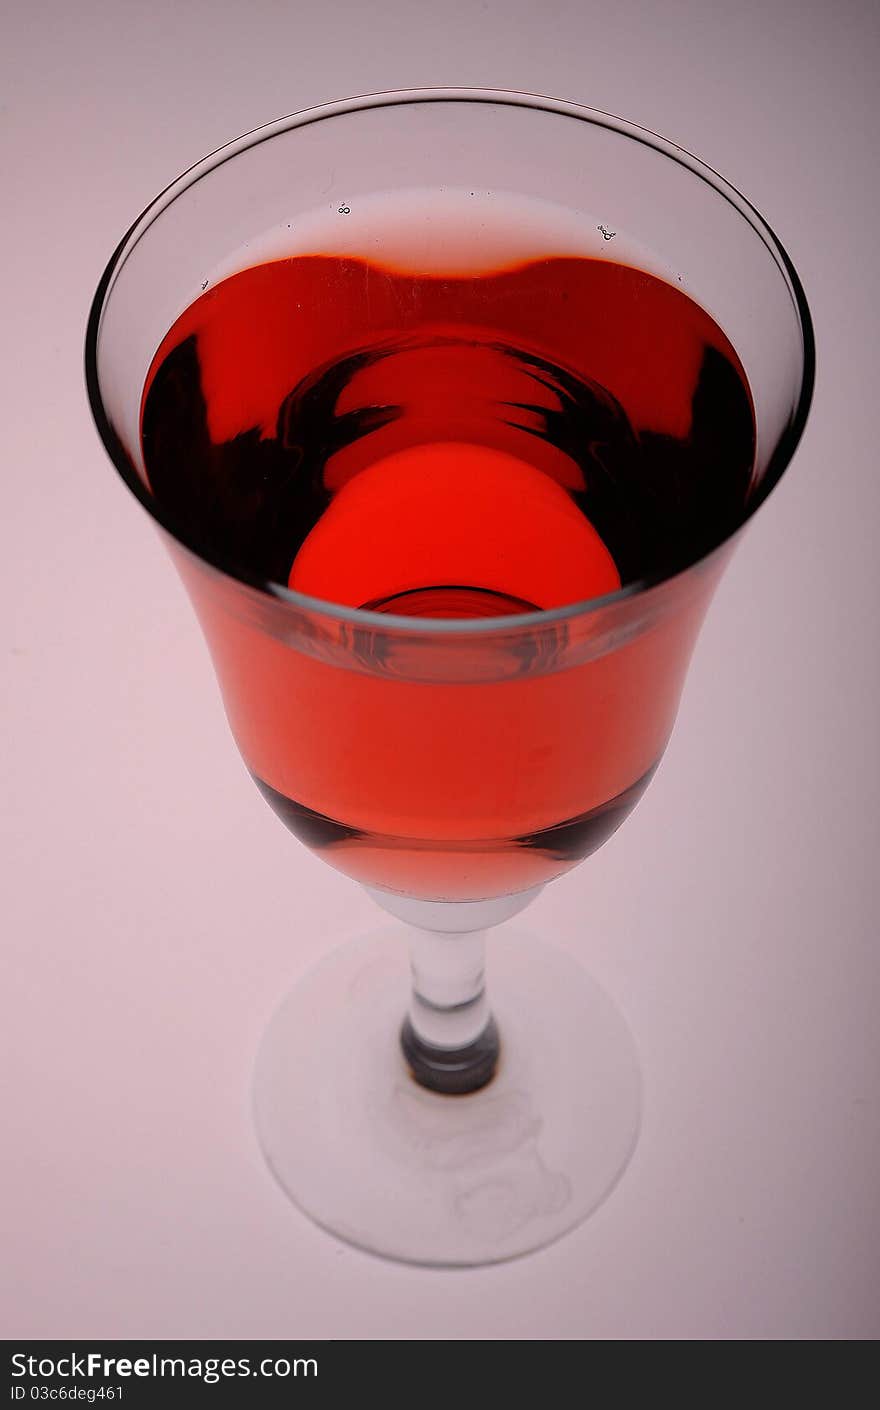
pixel 438 626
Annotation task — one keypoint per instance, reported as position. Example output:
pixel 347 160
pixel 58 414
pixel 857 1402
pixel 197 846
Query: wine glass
pixel 452 749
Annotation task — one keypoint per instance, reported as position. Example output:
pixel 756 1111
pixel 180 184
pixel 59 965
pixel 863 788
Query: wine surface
pixel 448 446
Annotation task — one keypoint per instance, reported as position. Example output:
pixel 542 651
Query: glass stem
pixel 449 1037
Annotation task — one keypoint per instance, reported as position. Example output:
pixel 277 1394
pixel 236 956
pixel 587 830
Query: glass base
pixel 404 1172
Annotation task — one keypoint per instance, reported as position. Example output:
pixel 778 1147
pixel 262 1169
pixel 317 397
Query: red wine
pixel 530 438
pixel 448 446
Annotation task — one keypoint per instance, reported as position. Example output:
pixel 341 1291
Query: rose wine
pixel 448 446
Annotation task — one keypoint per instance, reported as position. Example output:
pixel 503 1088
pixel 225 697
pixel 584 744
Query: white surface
pixel 156 911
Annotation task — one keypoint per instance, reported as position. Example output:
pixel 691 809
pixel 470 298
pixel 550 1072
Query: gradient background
pixel 154 909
